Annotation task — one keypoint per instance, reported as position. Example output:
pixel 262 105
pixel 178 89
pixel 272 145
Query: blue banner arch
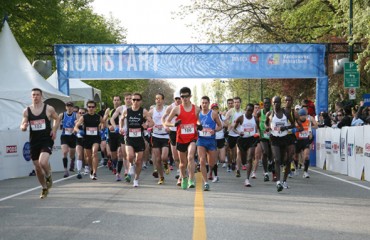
pixel 160 61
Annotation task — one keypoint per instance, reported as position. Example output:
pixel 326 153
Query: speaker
pixel 338 65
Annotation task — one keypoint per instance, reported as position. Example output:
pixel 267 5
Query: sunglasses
pixel 90 106
pixel 339 115
pixel 81 112
pixel 185 96
pixel 177 98
pixel 136 100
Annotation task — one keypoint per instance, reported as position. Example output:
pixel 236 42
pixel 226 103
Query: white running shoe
pixel 215 179
pixel 285 185
pixel 131 170
pixel 136 183
pixel 253 175
pixel 296 172
pixel 306 175
pixel 247 183
pixel 224 165
pixel 87 170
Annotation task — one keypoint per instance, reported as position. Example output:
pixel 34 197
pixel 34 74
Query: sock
pixel 114 161
pixel 215 167
pixel 119 166
pixel 65 162
pixel 79 165
pixel 306 164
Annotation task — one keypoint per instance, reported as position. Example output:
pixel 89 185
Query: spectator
pixel 311 110
pixel 343 119
pixel 324 120
pixel 356 121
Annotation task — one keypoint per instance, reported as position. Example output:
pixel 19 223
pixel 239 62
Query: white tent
pixel 78 90
pixel 17 78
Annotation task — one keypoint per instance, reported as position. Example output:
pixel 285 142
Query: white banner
pixel 367 151
pixel 359 151
pixel 334 158
pixel 351 152
pixel 320 147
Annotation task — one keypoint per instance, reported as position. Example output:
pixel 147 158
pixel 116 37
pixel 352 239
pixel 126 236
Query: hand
pixel 116 129
pixel 256 135
pixel 177 123
pixel 241 133
pixel 53 135
pixel 199 127
pixel 283 128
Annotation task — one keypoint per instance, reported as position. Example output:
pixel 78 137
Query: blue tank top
pixel 208 124
pixel 68 123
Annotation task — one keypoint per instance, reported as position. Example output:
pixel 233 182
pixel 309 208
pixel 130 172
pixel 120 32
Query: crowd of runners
pixel 180 137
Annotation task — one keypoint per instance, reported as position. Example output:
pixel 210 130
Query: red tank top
pixel 187 130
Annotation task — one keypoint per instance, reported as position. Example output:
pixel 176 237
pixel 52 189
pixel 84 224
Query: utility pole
pixel 350 30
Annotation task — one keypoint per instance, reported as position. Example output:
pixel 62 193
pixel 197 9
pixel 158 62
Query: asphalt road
pixel 326 206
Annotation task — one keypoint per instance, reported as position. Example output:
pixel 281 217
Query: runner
pixel 160 138
pixel 277 124
pixel 137 119
pixel 230 105
pixel 81 160
pixel 68 139
pixel 172 134
pixel 92 123
pixel 305 138
pixel 265 140
pixel 206 143
pixel 186 123
pixel 37 117
pixel 232 139
pixel 258 149
pixel 247 127
pixel 220 142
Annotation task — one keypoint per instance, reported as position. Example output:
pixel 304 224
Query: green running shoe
pixel 191 183
pixel 184 183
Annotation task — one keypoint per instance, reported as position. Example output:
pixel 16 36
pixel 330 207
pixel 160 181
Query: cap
pixel 69 104
pixel 297 107
pixel 302 112
pixel 176 94
pixel 214 105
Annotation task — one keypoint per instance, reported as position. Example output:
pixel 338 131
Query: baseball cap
pixel 69 104
pixel 297 107
pixel 176 94
pixel 302 112
pixel 214 105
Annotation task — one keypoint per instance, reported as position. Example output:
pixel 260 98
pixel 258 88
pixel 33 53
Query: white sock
pixel 79 165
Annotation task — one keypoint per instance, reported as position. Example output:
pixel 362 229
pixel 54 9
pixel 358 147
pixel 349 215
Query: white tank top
pixel 220 134
pixel 277 123
pixel 235 116
pixel 159 131
pixel 173 105
pixel 248 127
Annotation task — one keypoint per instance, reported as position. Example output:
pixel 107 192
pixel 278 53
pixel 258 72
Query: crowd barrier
pixel 345 151
pixel 15 154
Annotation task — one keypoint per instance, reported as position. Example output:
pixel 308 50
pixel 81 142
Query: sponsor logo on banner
pixel 27 151
pixel 359 150
pixel 350 147
pixel 342 149
pixel 367 150
pixel 328 147
pixel 253 58
pixel 318 146
pixel 273 59
pixel 335 147
pixel 11 149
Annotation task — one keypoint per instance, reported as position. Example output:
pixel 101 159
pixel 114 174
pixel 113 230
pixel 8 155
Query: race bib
pixel 303 134
pixel 134 132
pixel 266 134
pixel 92 131
pixel 248 130
pixel 278 126
pixel 38 125
pixel 68 131
pixel 187 129
pixel 159 129
pixel 206 132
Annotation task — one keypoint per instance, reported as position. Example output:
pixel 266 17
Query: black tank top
pixel 135 119
pixel 91 125
pixel 116 120
pixel 40 127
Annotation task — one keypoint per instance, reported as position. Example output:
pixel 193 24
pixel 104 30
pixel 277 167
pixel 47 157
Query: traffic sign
pixel 351 75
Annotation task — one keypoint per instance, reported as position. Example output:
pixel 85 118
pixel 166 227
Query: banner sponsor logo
pixel 350 148
pixel 11 149
pixel 27 151
pixel 335 147
pixel 367 150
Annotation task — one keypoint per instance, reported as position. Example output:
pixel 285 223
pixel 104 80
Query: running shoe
pixel 171 167
pixel 128 178
pixel 237 173
pixel 87 170
pixel 279 186
pixel 247 183
pixel 136 183
pixel 292 166
pixel 244 168
pixel 266 178
pixel 79 176
pixel 206 187
pixel 191 184
pixel 118 177
pixel 306 175
pixel 161 181
pixel 49 182
pixel 155 174
pixel 94 177
pixel 184 183
pixel 253 175
pixel 131 170
pixel 166 169
pixel 114 171
pixel 228 169
pixel 178 182
pixel 109 165
pixel 44 193
pixel 66 174
pixel 285 185
pixel 290 175
pixel 216 179
pixel 296 172
pixel 144 166
pixel 224 165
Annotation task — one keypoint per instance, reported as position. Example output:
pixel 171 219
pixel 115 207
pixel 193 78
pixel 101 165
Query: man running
pixel 137 119
pixel 92 124
pixel 220 142
pixel 160 138
pixel 68 139
pixel 81 160
pixel 186 123
pixel 206 143
pixel 38 118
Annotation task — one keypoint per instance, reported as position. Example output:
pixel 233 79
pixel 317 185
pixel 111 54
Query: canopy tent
pixel 17 78
pixel 78 90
